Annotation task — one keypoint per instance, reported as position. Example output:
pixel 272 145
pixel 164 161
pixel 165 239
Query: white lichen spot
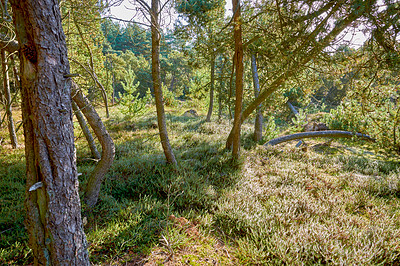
pixel 51 60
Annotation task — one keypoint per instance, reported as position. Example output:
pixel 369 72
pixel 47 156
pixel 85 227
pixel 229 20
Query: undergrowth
pixel 277 205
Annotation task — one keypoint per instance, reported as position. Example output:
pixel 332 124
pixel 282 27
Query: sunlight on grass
pixel 277 205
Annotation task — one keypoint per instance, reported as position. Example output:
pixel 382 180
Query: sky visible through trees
pixel 353 37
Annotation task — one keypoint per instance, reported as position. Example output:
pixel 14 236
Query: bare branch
pixel 128 21
pixel 10 45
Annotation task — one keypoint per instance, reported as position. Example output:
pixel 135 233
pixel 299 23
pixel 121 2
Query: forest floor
pixel 334 202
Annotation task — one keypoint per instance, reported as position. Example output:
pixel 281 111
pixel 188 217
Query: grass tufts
pixel 325 203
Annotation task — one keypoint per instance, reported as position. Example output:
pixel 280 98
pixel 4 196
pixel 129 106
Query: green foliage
pixel 84 38
pixel 294 95
pixel 169 97
pixel 132 37
pixel 276 205
pixel 300 119
pixel 342 119
pixel 270 129
pixel 198 9
pixel 381 121
pixel 13 238
pixel 131 104
pixel 130 46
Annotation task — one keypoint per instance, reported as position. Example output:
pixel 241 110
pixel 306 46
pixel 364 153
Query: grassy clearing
pixel 329 204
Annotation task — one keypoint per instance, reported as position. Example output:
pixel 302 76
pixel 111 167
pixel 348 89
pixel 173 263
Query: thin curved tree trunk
pixel 8 102
pixel 237 33
pixel 92 190
pixel 53 220
pixel 155 72
pixel 86 131
pixel 212 85
pixel 258 125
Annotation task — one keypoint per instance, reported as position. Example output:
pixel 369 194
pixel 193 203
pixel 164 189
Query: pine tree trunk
pixel 230 94
pixel 171 87
pixel 212 82
pixel 155 71
pixel 220 104
pixel 221 88
pixel 8 103
pixel 237 33
pixel 258 125
pixel 53 206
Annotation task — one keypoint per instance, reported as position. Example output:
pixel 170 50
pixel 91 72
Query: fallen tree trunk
pixel 318 134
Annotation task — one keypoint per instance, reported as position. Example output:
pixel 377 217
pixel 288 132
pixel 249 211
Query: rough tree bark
pixel 86 131
pixel 108 149
pixel 237 33
pixel 258 125
pixel 294 65
pixel 8 102
pixel 53 206
pixel 212 82
pixel 155 72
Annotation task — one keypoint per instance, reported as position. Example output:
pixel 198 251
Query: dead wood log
pixel 318 134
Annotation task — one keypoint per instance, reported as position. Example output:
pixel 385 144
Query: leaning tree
pixel 313 26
